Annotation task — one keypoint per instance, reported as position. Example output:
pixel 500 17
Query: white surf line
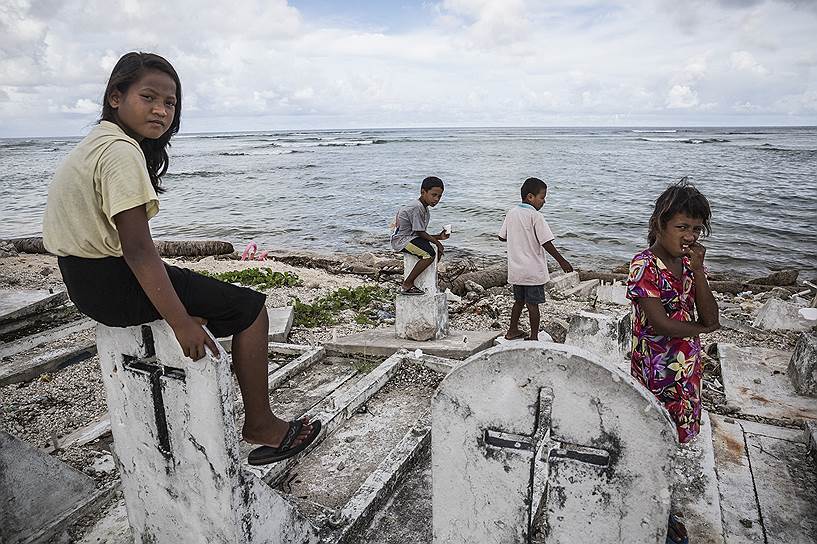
pixel 333 411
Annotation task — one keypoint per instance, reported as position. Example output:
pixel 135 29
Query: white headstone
pixel 427 280
pixel 421 317
pixel 177 446
pixel 539 442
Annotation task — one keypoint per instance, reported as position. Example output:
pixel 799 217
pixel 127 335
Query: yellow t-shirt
pixel 104 175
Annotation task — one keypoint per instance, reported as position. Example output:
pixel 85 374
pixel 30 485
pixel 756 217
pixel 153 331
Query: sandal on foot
pixel 413 290
pixel 676 526
pixel 516 336
pixel 265 455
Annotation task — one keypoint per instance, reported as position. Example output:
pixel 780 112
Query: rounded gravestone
pixel 542 442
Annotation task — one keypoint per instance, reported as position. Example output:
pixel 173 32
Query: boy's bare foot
pixel 273 434
pixel 515 335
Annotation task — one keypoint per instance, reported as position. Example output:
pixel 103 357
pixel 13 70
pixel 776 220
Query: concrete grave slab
pixel 384 342
pixel 545 443
pixel 8 349
pixel 584 291
pixel 610 336
pixel 768 485
pixel 755 380
pixel 22 368
pixel 803 365
pixel 559 281
pixel 40 495
pixel 613 294
pixel 421 317
pixel 280 323
pixel 406 517
pixel 175 436
pixel 21 303
pixel 695 490
pixel 776 315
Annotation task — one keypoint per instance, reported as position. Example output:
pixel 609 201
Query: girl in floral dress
pixel 667 284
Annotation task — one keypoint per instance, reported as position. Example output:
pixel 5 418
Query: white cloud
pixel 83 106
pixel 682 96
pixel 743 61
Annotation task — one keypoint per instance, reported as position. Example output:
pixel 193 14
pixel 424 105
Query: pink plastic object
pixel 249 252
pixel 262 256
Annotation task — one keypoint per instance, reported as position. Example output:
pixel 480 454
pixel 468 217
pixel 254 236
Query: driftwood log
pixel 493 276
pixel 184 248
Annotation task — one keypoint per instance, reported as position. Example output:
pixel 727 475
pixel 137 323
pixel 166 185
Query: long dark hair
pixel 127 71
pixel 681 197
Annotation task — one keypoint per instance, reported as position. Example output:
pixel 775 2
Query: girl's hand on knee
pixel 193 338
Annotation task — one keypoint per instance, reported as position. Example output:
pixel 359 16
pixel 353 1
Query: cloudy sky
pixel 276 64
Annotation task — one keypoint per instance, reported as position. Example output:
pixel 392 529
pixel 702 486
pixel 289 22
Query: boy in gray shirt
pixel 410 232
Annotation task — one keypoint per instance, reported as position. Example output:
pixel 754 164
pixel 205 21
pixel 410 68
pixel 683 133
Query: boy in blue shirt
pixel 410 233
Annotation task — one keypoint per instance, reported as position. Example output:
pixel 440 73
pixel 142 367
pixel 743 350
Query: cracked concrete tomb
pixel 421 317
pixel 540 442
pixel 177 446
pixel 803 365
pixel 609 336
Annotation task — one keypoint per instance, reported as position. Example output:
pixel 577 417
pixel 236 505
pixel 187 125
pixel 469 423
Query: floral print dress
pixel 669 367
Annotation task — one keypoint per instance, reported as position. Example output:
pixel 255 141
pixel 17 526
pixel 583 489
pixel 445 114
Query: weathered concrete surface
pixel 177 446
pixel 613 294
pixel 778 314
pixel 695 490
pixel 280 323
pixel 39 495
pixel 543 439
pixel 559 281
pixel 384 342
pixel 7 349
pixel 111 528
pixel 810 437
pixel 610 336
pixel 755 380
pixel 427 281
pixel 584 291
pixel 768 485
pixel 406 517
pixel 421 317
pixel 543 337
pixel 19 368
pixel 803 365
pixel 21 303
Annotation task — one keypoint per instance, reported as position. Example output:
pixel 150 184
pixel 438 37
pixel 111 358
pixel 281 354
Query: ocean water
pixel 338 191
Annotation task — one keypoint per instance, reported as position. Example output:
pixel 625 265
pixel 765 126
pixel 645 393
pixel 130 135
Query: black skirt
pixel 107 291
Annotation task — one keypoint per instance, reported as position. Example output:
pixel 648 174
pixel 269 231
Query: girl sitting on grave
pixel 96 222
pixel 667 285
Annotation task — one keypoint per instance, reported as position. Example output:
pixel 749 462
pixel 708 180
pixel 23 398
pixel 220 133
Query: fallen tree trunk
pixel 493 276
pixel 183 248
pixel 193 248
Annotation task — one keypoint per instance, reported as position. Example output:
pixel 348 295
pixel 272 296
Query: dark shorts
pixel 107 291
pixel 529 294
pixel 421 248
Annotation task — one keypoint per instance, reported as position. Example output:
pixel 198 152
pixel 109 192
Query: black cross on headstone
pixel 543 449
pixel 149 367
